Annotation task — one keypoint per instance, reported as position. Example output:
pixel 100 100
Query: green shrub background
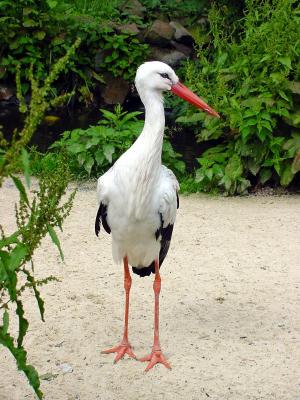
pixel 246 66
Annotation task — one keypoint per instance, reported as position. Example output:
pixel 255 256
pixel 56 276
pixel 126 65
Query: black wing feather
pixel 166 236
pixel 101 217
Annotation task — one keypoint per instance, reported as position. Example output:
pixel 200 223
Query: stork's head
pixel 156 76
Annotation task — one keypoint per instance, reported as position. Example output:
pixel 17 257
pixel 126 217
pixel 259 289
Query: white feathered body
pixel 136 190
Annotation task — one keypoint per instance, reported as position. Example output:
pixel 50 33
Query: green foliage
pixel 36 32
pixel 94 150
pixel 36 216
pixel 190 9
pixel 251 78
pixel 125 51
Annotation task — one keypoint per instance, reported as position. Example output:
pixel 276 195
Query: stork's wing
pixel 169 202
pixel 102 190
pixel 101 217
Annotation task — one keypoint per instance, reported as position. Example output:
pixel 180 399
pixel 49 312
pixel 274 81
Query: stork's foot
pixel 123 348
pixel 155 357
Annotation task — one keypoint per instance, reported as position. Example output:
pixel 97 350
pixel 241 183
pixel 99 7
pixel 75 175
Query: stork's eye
pixel 164 76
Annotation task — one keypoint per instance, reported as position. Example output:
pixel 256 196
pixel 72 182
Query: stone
pixel 128 28
pixel 168 56
pixel 135 8
pixel 182 48
pixel 66 368
pixel 115 91
pixel 181 35
pixel 160 33
pixel 6 93
pixel 48 376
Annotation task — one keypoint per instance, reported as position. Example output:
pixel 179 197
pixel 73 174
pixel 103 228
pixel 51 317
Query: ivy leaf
pixel 55 240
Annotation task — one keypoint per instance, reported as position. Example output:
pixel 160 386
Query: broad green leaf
pixel 55 240
pixel 21 189
pixel 52 3
pixel 108 151
pixel 29 23
pixel 209 173
pixel 264 175
pixel 296 163
pixel 88 164
pixel 99 157
pixel 81 157
pixel 200 175
pixel 40 35
pixel 286 61
pixel 17 256
pixel 234 168
pixel 287 176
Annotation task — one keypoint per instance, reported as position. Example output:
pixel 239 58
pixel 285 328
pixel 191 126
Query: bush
pixel 35 219
pixel 92 151
pixel 248 73
pixel 37 32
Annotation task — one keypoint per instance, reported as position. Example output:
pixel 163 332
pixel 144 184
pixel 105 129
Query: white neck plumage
pixel 151 137
pixel 146 153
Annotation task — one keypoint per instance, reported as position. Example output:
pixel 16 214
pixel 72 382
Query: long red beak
pixel 186 94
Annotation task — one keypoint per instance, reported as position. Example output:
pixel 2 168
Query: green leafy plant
pixel 38 32
pixel 95 149
pixel 36 216
pixel 251 78
pixel 125 54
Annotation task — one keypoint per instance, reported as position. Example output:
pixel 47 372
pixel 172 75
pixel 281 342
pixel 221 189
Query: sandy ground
pixel 230 307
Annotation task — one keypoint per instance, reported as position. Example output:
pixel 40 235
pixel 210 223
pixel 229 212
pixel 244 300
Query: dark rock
pixel 115 91
pixel 6 93
pixel 168 56
pixel 186 50
pixel 160 33
pixel 128 28
pixel 135 8
pixel 181 35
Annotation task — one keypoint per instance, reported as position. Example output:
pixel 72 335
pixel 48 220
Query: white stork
pixel 138 197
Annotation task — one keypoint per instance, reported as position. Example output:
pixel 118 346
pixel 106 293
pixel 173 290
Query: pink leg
pixel 124 347
pixel 156 355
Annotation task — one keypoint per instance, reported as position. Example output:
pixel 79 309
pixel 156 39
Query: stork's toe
pixel 121 350
pixel 154 358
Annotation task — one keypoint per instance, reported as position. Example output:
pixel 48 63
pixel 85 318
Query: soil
pixel 230 306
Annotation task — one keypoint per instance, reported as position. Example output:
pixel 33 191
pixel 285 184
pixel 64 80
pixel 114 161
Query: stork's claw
pixel 155 357
pixel 122 349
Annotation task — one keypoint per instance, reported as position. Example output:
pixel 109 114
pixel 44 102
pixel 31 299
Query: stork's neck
pixel 151 138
